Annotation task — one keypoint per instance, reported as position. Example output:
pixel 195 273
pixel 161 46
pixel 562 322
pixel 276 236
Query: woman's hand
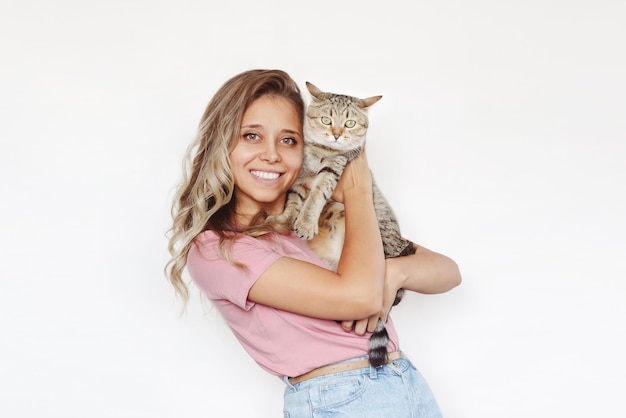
pixel 424 272
pixel 356 177
pixel 393 282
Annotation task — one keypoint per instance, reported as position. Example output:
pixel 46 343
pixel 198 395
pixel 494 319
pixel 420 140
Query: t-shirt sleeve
pixel 220 280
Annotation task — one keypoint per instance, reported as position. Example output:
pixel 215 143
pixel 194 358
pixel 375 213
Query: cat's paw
pixel 305 227
pixel 280 219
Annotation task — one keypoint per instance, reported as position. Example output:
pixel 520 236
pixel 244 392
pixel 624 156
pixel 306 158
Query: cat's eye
pixel 350 123
pixel 326 120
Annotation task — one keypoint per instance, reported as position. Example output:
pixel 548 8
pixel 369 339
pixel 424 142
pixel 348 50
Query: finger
pixel 361 327
pixel 347 325
pixel 386 315
pixel 372 324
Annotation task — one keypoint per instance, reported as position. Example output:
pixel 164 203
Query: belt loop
pixel 373 372
pixel 287 382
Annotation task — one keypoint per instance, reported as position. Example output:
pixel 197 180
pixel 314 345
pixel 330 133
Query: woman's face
pixel 268 155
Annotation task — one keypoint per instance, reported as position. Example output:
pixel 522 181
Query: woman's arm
pixel 356 289
pixel 424 272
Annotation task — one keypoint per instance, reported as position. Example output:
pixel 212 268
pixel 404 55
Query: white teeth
pixel 265 175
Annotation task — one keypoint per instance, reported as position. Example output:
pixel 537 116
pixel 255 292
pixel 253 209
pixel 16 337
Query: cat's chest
pixel 315 163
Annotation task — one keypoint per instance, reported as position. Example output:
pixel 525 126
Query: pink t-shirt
pixel 281 342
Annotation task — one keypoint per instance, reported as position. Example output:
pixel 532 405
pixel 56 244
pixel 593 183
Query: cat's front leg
pixel 306 223
pixel 296 195
pixel 328 242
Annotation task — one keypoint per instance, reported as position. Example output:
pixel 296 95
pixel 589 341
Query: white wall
pixel 500 141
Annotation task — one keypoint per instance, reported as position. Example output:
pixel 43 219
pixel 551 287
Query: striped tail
pixel 378 345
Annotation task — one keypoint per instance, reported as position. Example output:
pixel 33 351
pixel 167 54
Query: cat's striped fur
pixel 335 128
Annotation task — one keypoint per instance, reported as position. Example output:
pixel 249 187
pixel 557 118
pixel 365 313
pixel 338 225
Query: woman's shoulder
pixel 209 242
pixel 206 236
pixel 211 237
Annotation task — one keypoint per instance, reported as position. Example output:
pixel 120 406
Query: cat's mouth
pixel 265 175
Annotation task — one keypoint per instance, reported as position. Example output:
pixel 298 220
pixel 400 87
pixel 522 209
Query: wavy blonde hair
pixel 205 198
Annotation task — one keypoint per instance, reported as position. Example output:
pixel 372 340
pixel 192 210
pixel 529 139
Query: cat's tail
pixel 378 345
pixel 380 338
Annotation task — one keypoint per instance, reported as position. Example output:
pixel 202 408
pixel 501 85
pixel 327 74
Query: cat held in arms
pixel 335 128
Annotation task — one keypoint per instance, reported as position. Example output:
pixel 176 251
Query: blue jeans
pixel 396 390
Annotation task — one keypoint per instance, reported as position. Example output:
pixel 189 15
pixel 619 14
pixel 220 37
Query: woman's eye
pixel 350 123
pixel 251 137
pixel 326 120
pixel 288 141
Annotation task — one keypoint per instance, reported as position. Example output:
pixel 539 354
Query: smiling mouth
pixel 265 175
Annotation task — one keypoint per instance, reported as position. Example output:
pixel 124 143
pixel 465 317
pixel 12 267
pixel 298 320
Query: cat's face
pixel 337 121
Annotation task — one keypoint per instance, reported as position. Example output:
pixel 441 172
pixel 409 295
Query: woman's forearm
pixel 362 264
pixel 424 272
pixel 362 260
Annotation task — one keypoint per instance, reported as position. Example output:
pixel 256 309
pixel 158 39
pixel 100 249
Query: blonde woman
pixel 279 299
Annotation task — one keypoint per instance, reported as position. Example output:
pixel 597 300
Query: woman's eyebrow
pixel 291 131
pixel 259 126
pixel 252 125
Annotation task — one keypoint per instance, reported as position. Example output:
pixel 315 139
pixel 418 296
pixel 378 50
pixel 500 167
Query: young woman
pixel 280 300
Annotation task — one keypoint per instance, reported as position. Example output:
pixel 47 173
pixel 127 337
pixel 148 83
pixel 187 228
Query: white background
pixel 500 141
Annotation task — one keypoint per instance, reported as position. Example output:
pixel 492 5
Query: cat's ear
pixel 315 92
pixel 369 101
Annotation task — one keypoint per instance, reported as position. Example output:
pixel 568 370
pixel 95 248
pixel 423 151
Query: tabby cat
pixel 335 127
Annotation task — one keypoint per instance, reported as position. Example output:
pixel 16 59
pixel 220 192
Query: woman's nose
pixel 270 153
